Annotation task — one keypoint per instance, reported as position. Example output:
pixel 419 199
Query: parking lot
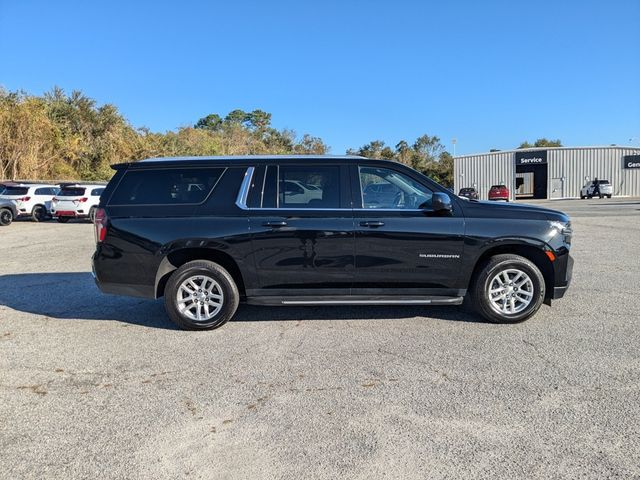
pixel 96 386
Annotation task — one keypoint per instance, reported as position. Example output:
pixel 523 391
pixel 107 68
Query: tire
pixel 6 217
pixel 39 213
pixel 64 219
pixel 491 274
pixel 582 197
pixel 224 286
pixel 608 196
pixel 92 214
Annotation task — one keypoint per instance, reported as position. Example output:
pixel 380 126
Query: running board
pixel 356 300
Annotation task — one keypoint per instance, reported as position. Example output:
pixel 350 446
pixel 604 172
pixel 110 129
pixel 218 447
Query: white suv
pixel 606 189
pixel 31 199
pixel 76 201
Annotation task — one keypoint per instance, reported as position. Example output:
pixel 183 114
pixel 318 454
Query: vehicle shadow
pixel 74 296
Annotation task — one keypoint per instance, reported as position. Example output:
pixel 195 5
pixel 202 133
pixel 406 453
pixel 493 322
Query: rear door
pixel 402 245
pixel 302 231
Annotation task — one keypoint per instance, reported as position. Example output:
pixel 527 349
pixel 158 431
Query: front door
pixel 302 231
pixel 402 245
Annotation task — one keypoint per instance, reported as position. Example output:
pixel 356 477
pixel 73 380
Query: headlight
pixel 563 229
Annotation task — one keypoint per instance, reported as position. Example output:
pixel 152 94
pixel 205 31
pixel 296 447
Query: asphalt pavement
pixel 97 386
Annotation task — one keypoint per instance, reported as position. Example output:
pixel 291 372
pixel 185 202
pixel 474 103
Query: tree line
pixel 60 136
pixel 70 137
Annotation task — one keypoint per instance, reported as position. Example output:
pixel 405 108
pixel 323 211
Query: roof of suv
pixel 241 159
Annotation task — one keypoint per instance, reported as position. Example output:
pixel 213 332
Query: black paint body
pixel 321 253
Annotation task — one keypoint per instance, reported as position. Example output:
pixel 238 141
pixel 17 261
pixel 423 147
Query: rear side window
pixel 178 186
pixel 309 186
pixel 96 192
pixel 15 191
pixel 72 192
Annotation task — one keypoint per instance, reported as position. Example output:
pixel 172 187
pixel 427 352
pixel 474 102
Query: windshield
pixel 15 191
pixel 71 192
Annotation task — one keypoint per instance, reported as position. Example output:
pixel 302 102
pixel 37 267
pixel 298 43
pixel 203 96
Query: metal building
pixel 550 172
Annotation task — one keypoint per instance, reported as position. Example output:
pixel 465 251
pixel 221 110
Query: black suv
pixel 207 233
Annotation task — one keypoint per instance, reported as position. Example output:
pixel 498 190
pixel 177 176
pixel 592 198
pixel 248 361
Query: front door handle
pixel 274 224
pixel 371 224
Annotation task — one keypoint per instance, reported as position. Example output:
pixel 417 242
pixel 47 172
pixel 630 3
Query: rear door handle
pixel 371 224
pixel 274 224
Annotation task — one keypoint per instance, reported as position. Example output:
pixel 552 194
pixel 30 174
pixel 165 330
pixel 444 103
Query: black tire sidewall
pixel 491 268
pixel 6 217
pixel 34 214
pixel 220 275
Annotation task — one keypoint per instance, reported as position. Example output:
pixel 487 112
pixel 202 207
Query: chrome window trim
pixel 241 200
pixel 243 193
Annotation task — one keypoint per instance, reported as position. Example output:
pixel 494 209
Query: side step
pixel 356 300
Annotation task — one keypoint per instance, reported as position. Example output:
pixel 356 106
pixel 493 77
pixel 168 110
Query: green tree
pixel 541 142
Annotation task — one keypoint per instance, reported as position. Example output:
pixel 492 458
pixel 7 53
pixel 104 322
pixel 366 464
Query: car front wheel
pixel 508 289
pixel 201 295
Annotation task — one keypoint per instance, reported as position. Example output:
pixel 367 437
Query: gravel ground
pixel 95 386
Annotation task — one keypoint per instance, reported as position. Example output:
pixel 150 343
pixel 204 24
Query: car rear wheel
pixel 92 214
pixel 508 289
pixel 39 213
pixel 201 295
pixel 6 217
pixel 64 219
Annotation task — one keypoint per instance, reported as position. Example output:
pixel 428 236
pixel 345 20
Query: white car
pixel 76 201
pixel 31 199
pixel 606 189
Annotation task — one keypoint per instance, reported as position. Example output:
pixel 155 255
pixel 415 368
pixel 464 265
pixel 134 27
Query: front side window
pixel 173 186
pixel 388 189
pixel 311 186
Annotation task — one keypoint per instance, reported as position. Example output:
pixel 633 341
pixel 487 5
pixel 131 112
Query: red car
pixel 499 192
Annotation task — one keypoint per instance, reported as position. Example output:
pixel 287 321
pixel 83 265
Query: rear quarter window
pixel 171 186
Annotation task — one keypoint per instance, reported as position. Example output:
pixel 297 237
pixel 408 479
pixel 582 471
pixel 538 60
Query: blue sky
pixel 490 74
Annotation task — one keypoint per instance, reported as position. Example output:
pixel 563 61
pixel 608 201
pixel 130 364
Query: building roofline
pixel 533 149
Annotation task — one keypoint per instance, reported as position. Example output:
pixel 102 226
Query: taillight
pixel 83 199
pixel 24 199
pixel 100 223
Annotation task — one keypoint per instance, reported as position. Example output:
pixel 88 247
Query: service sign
pixel 539 157
pixel 631 161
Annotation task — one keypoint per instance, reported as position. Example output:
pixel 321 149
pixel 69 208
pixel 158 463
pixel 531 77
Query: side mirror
pixel 441 202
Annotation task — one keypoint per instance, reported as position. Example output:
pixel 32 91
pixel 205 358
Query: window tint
pixel 96 192
pixel 72 191
pixel 270 188
pixel 309 186
pixel 166 187
pixel 15 191
pixel 385 188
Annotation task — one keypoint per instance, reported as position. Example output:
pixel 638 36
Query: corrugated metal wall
pixel 482 171
pixel 570 164
pixel 575 164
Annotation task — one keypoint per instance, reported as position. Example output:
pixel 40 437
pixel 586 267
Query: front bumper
pixel 563 274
